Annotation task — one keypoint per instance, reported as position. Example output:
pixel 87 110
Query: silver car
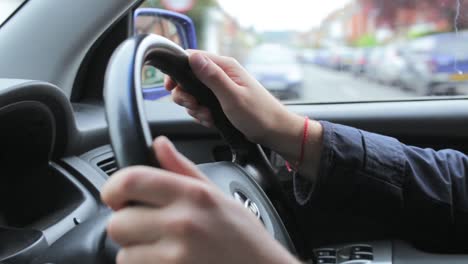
pixel 277 69
pixel 437 65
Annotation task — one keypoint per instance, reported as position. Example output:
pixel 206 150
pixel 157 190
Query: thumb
pixel 172 160
pixel 212 76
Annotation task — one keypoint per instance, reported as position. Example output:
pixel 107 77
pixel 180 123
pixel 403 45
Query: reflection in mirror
pixel 151 77
pixel 148 24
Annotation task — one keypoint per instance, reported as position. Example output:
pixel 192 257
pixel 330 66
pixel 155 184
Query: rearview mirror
pixel 171 25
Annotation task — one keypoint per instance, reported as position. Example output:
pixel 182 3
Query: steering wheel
pixel 246 178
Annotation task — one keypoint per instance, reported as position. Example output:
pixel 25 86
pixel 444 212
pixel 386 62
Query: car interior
pixel 69 115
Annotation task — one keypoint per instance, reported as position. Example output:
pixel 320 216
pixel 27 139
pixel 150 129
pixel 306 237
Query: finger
pixel 202 115
pixel 208 124
pixel 184 99
pixel 143 185
pixel 172 160
pixel 195 115
pixel 141 254
pixel 166 251
pixel 212 76
pixel 219 60
pixel 230 66
pixel 135 225
pixel 169 83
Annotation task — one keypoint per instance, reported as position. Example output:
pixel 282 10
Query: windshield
pixel 264 55
pixel 340 50
pixel 7 8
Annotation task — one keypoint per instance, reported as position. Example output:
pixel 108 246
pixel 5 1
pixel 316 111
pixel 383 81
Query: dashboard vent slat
pixel 108 165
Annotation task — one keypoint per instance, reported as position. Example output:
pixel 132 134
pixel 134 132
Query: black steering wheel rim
pixel 128 127
pixel 128 111
pixel 131 141
pixel 128 103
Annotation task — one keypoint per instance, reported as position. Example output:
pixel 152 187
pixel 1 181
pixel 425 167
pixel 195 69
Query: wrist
pixel 286 134
pixel 287 139
pixel 282 129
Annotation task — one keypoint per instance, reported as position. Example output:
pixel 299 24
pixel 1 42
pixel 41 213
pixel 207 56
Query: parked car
pixel 323 58
pixel 308 56
pixel 437 64
pixel 390 64
pixel 360 60
pixel 342 58
pixel 281 74
pixel 374 60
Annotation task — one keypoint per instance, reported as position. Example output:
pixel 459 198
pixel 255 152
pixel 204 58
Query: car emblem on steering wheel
pixel 249 204
pixel 252 207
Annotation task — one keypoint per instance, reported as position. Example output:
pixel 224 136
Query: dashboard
pixel 55 158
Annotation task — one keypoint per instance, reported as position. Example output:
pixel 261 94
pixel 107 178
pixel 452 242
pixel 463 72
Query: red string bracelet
pixel 305 135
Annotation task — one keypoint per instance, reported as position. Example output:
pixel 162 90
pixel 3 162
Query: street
pixel 324 85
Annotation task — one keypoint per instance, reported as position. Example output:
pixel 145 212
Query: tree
pixel 452 11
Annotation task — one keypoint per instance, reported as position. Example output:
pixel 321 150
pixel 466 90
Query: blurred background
pixel 339 50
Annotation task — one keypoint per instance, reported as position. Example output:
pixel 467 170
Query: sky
pixel 266 15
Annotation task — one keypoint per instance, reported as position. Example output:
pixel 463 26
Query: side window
pixel 341 50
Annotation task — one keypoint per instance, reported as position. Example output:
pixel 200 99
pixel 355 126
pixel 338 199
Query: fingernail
pixel 169 142
pixel 205 123
pixel 185 104
pixel 188 105
pixel 162 138
pixel 198 61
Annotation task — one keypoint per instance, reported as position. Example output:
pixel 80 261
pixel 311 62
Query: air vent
pixel 108 165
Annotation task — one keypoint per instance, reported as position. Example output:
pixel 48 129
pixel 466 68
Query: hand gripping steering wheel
pixel 247 178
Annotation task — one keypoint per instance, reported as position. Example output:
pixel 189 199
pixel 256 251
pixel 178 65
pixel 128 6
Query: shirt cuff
pixel 349 154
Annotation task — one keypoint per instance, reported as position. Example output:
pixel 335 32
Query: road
pixel 324 85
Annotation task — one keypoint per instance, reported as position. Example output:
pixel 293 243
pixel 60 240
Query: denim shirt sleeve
pixel 380 177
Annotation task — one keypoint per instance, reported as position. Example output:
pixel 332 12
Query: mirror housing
pixel 172 25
